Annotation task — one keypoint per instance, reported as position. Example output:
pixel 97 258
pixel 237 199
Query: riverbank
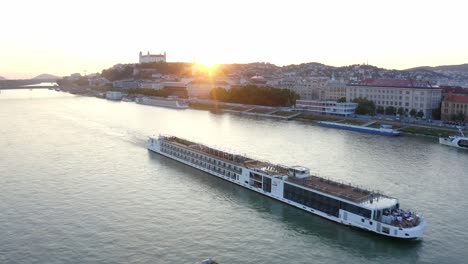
pixel 284 113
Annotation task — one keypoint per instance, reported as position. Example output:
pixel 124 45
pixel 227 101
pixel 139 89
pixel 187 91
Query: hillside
pixel 459 68
pixel 2 78
pixel 45 76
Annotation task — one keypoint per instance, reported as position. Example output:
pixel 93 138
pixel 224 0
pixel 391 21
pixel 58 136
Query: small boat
pixel 384 130
pixel 458 141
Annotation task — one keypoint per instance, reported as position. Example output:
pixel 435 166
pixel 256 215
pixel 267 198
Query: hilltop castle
pixel 152 57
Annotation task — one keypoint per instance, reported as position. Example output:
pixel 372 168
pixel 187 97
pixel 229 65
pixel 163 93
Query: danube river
pixel 78 186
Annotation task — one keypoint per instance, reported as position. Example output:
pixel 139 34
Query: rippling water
pixel 78 186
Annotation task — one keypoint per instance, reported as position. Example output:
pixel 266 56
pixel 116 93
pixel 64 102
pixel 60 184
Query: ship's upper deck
pixel 344 191
pixel 236 159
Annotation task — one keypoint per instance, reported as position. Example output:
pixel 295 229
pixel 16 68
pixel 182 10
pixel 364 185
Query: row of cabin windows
pixel 201 163
pixel 202 157
pixel 322 203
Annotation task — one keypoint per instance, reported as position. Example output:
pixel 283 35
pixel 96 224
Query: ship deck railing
pixel 341 190
pixel 233 158
pixel 402 221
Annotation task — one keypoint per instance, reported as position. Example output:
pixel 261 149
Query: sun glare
pixel 206 67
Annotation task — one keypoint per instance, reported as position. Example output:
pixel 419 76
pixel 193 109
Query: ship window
pixel 311 199
pixel 385 230
pixel 362 220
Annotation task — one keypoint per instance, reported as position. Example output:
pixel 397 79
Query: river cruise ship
pixel 294 185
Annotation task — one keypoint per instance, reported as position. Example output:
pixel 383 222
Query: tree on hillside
pixel 390 110
pixel 120 73
pixel 365 106
pixel 413 112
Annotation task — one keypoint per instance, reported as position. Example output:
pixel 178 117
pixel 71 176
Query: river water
pixel 78 186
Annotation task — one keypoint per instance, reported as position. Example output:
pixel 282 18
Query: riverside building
pixel 333 90
pixel 326 107
pixel 408 94
pixel 454 104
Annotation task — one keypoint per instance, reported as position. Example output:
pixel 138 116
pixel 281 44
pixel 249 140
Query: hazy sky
pixel 63 37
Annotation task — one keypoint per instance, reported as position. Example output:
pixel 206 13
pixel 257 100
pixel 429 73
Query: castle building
pixel 148 58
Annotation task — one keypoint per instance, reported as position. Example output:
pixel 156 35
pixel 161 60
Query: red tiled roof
pixel 456 98
pixel 454 89
pixel 393 83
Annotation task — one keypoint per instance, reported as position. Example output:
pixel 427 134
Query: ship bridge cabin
pixel 298 172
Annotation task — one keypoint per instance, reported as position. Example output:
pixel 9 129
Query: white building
pixel 152 57
pixel 326 107
pixel 418 95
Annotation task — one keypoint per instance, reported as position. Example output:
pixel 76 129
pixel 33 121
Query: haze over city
pixel 60 38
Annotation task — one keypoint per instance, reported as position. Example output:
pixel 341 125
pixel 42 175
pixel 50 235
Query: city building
pixel 98 81
pixel 307 88
pixel 333 90
pixel 454 104
pixel 326 107
pixel 126 84
pixel 201 87
pixel 148 58
pixel 408 94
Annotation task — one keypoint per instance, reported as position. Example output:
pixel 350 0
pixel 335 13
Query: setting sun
pixel 206 68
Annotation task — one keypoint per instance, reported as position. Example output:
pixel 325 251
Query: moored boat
pixel 170 102
pixel 458 141
pixel 384 130
pixel 294 185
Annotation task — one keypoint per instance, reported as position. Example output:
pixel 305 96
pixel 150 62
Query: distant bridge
pixel 26 84
pixel 26 87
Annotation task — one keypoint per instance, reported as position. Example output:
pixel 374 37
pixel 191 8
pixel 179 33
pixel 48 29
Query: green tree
pixel 219 94
pixel 365 106
pixel 342 100
pixel 401 111
pixel 118 73
pixel 390 110
pixel 458 117
pixel 380 110
pixel 420 114
pixel 413 112
pixel 255 95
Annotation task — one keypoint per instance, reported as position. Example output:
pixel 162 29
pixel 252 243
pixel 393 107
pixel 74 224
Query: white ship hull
pixel 277 193
pixel 458 141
